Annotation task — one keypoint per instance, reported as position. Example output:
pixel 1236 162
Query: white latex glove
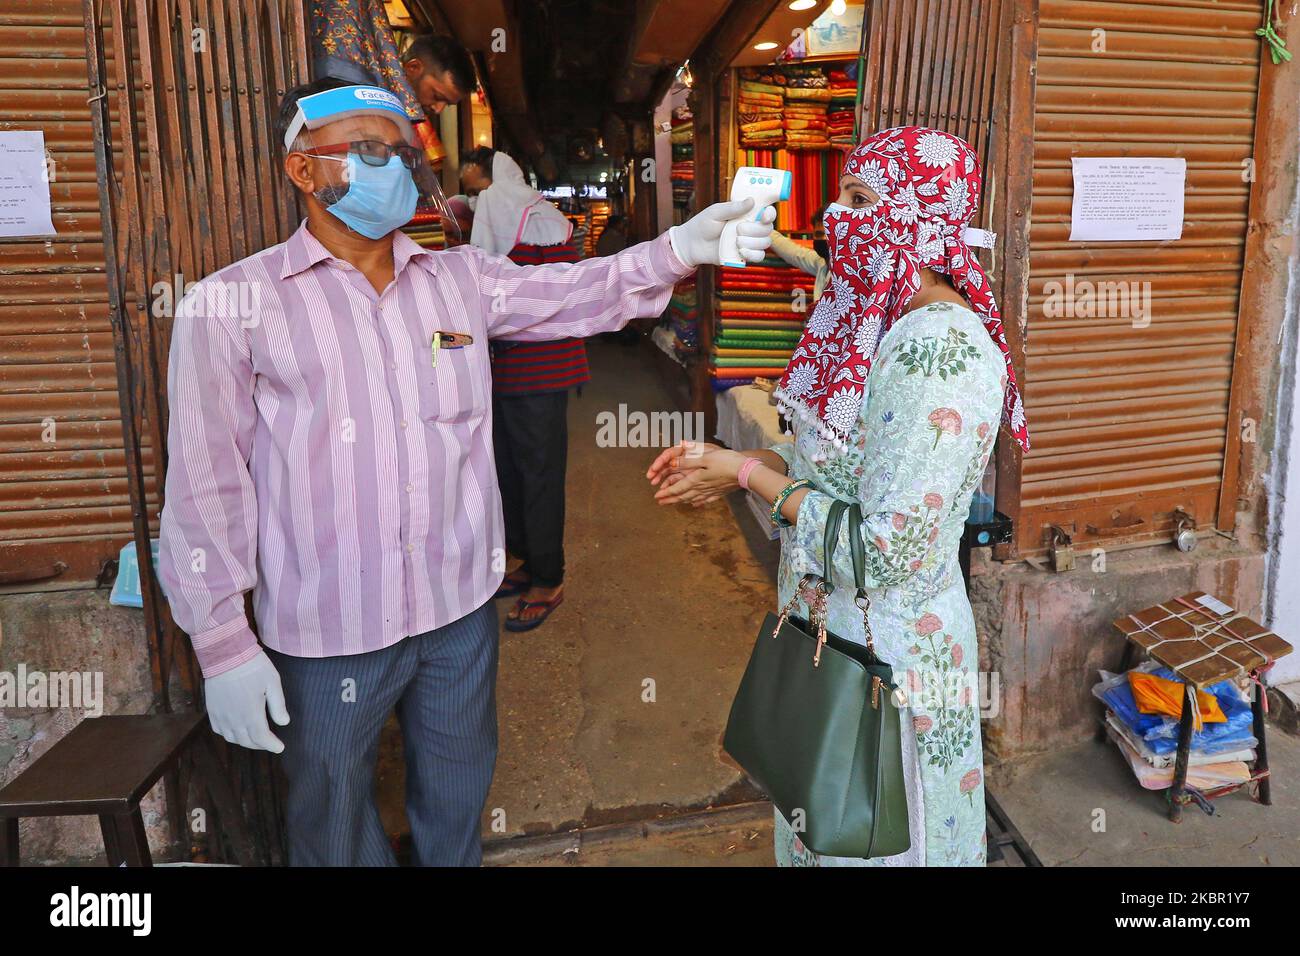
pixel 239 699
pixel 696 240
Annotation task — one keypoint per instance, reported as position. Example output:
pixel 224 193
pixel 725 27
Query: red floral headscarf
pixel 929 186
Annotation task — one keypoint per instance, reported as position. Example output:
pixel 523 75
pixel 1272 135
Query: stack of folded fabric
pixel 758 326
pixel 684 318
pixel 807 92
pixel 840 108
pixel 683 179
pixel 759 105
pixel 1142 711
pixel 425 228
pixel 683 146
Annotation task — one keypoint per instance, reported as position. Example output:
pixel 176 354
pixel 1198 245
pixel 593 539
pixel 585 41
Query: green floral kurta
pixel 927 425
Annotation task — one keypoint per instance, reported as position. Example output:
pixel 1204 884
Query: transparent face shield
pixel 431 202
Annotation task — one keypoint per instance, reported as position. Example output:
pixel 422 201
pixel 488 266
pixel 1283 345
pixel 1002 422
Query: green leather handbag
pixel 814 722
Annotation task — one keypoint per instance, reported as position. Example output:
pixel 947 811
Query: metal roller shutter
pixel 932 63
pixel 64 503
pixel 1130 422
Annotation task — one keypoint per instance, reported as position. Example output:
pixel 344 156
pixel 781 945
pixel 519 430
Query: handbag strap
pixel 834 518
pixel 858 552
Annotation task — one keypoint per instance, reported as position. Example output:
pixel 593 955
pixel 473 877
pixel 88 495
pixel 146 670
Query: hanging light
pixel 838 7
pixel 802 4
pixel 765 46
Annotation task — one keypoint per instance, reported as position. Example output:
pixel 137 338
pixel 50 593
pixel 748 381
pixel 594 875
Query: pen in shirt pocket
pixel 447 340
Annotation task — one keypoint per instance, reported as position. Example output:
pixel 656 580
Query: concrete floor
pixel 614 709
pixel 1061 801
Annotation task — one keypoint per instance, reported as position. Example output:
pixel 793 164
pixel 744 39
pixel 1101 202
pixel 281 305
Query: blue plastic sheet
pixel 1161 733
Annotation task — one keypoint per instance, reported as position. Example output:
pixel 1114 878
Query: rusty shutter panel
pixel 63 495
pixel 1129 423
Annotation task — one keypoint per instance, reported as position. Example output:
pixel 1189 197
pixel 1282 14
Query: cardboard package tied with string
pixel 1202 639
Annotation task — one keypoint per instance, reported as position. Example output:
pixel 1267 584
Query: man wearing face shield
pixel 330 452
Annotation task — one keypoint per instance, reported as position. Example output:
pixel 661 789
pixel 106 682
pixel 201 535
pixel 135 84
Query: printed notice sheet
pixel 1122 199
pixel 24 185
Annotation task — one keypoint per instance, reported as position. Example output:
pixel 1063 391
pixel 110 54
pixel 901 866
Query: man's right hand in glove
pixel 239 699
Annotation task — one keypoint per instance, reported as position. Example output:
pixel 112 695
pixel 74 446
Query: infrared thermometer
pixel 766 186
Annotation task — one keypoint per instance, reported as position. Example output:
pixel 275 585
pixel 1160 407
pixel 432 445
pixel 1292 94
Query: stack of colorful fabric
pixel 683 178
pixel 683 318
pixel 683 145
pixel 840 113
pixel 760 103
pixel 807 92
pixel 761 312
pixel 425 228
pixel 815 175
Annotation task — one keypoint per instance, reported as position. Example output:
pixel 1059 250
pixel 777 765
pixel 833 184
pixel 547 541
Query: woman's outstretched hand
pixel 694 473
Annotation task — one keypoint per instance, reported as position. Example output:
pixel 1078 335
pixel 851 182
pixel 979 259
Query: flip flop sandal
pixel 512 586
pixel 517 624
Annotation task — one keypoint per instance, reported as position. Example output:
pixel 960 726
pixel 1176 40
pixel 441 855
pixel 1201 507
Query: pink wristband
pixel 742 476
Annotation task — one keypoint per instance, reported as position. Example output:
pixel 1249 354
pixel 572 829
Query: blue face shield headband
pixel 374 199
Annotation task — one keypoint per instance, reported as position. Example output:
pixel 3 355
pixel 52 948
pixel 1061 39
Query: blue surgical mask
pixel 377 200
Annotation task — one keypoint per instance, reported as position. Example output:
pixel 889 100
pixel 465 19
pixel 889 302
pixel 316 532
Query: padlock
pixel 1061 549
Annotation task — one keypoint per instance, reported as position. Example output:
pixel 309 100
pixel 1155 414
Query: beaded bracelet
pixel 777 518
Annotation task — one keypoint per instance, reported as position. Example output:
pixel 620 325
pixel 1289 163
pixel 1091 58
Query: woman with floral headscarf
pixel 896 391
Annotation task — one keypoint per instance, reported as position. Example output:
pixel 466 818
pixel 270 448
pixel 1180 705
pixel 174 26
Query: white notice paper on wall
pixel 24 185
pixel 1122 199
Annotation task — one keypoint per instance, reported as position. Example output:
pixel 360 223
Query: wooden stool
pixel 1204 641
pixel 104 766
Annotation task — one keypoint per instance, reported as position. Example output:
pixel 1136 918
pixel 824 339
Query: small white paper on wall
pixel 24 185
pixel 1126 199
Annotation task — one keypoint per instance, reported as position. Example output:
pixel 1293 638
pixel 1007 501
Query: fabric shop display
pixel 682 174
pixel 815 176
pixel 682 319
pixel 425 228
pixel 841 109
pixel 760 104
pixel 758 321
pixel 352 40
pixel 787 117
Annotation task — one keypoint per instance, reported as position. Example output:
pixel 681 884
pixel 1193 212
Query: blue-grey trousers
pixel 443 685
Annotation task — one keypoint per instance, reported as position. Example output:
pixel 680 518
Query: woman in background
pixel 896 391
pixel 812 261
pixel 530 388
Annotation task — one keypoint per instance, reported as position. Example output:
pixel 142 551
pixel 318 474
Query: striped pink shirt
pixel 317 456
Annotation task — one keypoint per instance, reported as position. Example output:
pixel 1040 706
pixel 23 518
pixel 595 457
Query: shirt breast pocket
pixel 456 391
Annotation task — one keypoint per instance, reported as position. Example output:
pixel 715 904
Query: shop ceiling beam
pixel 725 41
pixel 665 34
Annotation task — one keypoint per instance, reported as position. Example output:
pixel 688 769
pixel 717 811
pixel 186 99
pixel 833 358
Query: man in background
pixel 530 389
pixel 352 41
pixel 463 213
pixel 439 70
pixel 613 238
